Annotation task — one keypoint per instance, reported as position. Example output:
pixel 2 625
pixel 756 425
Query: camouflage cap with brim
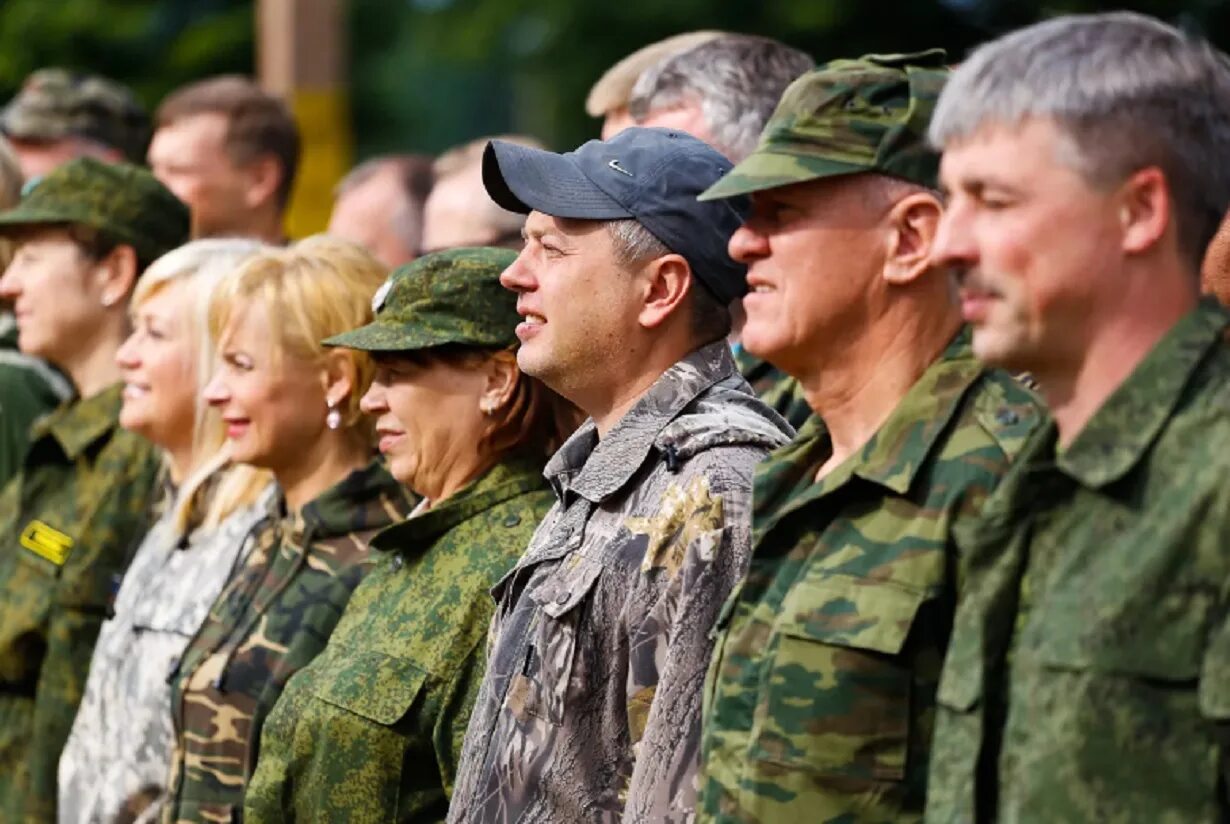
pixel 449 297
pixel 847 117
pixel 55 103
pixel 123 202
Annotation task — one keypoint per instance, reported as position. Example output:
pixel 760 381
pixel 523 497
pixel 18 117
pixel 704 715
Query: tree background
pixel 427 74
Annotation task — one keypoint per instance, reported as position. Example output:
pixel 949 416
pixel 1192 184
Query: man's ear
pixel 501 375
pixel 667 282
pixel 912 224
pixel 1145 209
pixel 265 175
pixel 116 275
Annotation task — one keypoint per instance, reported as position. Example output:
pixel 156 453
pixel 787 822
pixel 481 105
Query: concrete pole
pixel 302 56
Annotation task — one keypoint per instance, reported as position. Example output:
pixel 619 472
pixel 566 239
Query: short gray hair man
pixel 721 91
pixel 1138 109
pixel 1085 160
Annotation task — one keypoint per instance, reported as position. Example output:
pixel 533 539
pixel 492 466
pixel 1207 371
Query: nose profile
pixel 517 277
pixel 747 244
pixel 373 402
pixel 126 356
pixel 953 246
pixel 216 392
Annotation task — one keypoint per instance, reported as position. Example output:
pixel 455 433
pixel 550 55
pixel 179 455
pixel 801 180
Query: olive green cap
pixel 447 297
pixel 56 103
pixel 124 202
pixel 846 117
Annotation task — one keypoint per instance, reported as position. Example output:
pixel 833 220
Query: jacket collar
pixel 512 477
pixel 597 468
pixel 1127 424
pixel 77 426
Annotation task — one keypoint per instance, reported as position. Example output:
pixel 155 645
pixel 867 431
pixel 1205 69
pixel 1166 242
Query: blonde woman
pixel 292 407
pixel 114 765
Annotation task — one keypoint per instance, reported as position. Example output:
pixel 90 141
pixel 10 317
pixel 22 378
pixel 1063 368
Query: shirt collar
pixel 1126 425
pixel 508 479
pixel 903 443
pixel 597 468
pixel 78 425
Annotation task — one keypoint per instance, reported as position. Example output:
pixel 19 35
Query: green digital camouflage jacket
pixel 270 621
pixel 371 731
pixel 70 518
pixel 1088 678
pixel 779 391
pixel 29 389
pixel 820 697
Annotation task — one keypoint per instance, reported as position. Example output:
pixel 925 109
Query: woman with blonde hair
pixel 115 762
pixel 290 406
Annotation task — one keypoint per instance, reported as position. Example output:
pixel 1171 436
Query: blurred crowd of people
pixel 826 442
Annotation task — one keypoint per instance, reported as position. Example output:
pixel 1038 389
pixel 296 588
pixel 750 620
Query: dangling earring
pixel 333 419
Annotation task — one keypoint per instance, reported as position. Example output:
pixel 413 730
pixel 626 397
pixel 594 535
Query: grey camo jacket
pixel 590 708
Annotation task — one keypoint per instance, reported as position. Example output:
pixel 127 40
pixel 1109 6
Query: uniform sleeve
pixel 1215 702
pixel 669 654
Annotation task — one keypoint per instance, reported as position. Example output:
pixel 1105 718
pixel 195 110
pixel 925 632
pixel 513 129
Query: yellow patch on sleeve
pixel 46 542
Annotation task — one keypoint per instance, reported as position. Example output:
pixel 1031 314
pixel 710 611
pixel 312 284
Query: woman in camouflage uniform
pixel 81 497
pixel 292 407
pixel 115 762
pixel 372 729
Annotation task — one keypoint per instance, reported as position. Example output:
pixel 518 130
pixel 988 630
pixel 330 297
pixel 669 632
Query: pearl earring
pixel 333 419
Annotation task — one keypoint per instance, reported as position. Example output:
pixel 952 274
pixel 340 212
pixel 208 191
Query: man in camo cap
pixel 820 695
pixel 59 115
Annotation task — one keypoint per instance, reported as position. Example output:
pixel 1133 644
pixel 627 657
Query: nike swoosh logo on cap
pixel 614 164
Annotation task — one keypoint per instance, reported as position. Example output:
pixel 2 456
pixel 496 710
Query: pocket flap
pixel 851 612
pixel 568 586
pixel 368 683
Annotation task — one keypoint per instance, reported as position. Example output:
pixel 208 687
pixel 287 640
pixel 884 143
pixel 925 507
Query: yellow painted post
pixel 302 56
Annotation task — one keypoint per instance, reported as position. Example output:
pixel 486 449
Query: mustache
pixel 965 278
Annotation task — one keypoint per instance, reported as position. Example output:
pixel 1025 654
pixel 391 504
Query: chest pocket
pixel 837 698
pixel 554 658
pixel 368 683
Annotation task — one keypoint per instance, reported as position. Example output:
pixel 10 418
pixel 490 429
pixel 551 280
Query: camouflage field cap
pixel 845 117
pixel 123 202
pixel 447 297
pixel 55 103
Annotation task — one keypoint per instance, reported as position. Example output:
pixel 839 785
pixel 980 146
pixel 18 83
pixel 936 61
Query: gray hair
pixel 736 79
pixel 633 245
pixel 1126 90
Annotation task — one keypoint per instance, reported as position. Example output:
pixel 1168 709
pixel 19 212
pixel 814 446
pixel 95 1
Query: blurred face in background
pixel 271 401
pixel 158 365
pixel 57 302
pixel 377 215
pixel 189 156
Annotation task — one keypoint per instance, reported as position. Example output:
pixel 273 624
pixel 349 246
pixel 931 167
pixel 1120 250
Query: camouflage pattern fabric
pixel 821 695
pixel 114 765
pixel 29 389
pixel 846 117
pixel 590 708
pixel 371 731
pixel 71 518
pixel 274 616
pixel 55 103
pixel 779 391
pixel 124 202
pixel 451 297
pixel 1088 678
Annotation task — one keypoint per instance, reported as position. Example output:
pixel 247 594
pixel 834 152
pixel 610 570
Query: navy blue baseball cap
pixel 650 175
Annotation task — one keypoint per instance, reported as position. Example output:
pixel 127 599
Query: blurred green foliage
pixel 152 45
pixel 428 74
